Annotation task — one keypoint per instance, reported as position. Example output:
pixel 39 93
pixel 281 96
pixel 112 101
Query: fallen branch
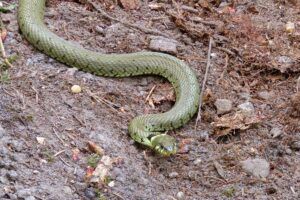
pixel 143 29
pixel 204 82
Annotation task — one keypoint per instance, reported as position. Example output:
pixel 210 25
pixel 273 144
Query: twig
pixel 225 69
pixel 215 178
pixel 298 84
pixel 118 195
pixel 204 82
pixel 105 102
pixel 150 93
pixel 64 161
pixel 58 153
pixel 59 137
pixel 146 30
pixel 226 51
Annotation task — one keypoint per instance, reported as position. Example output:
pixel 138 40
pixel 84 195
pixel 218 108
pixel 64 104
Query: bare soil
pixel 252 53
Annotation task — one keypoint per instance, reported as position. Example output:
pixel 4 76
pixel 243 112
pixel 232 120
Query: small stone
pixel 197 161
pixel 295 145
pixel 17 145
pixel 99 30
pixel 288 151
pixel 265 95
pixel 259 168
pixel 245 96
pixel 2 131
pixel 290 27
pixel 75 89
pixel 173 175
pixel 71 71
pixel 41 140
pixel 111 184
pixel 203 135
pixel 247 108
pixel 275 132
pixel 12 175
pixel 3 180
pixel 223 106
pixel 30 198
pixel 180 195
pixel 90 193
pixel 162 44
pixel 67 190
pixel 23 193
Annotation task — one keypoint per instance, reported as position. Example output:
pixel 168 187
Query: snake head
pixel 164 144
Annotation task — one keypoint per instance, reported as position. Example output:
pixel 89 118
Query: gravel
pixel 275 132
pixel 247 108
pixel 265 95
pixel 161 44
pixel 259 168
pixel 223 106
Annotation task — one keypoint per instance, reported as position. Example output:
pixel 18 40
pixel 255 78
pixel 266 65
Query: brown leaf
pixel 239 121
pixel 220 169
pixel 130 4
pixel 3 34
pixel 75 154
pixel 95 148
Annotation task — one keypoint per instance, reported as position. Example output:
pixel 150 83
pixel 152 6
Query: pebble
pixel 17 145
pixel 265 95
pixel 197 161
pixel 2 131
pixel 275 132
pixel 158 43
pixel 259 168
pixel 223 106
pixel 295 145
pixel 90 193
pixel 173 175
pixel 12 175
pixel 247 108
pixel 30 198
pixel 22 193
pixel 67 190
pixel 245 95
pixel 180 195
pixel 203 135
pixel 99 30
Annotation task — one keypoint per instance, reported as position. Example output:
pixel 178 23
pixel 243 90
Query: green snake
pixel 149 130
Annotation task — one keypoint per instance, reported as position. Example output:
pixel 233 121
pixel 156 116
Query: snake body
pixel 148 129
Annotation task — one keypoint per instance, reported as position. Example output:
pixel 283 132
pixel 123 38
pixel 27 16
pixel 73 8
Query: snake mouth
pixel 164 144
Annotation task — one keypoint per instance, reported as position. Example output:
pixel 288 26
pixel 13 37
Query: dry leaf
pixel 130 4
pixel 101 172
pixel 220 169
pixel 95 148
pixel 3 34
pixel 40 140
pixel 239 121
pixel 75 155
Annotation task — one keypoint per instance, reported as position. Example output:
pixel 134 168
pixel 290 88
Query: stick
pixel 204 82
pixel 146 30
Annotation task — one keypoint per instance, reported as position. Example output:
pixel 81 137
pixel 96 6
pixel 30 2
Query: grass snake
pixel 150 129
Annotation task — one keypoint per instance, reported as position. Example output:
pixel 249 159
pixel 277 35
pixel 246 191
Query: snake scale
pixel 150 129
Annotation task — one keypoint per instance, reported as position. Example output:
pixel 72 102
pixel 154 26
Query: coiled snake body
pixel 148 129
